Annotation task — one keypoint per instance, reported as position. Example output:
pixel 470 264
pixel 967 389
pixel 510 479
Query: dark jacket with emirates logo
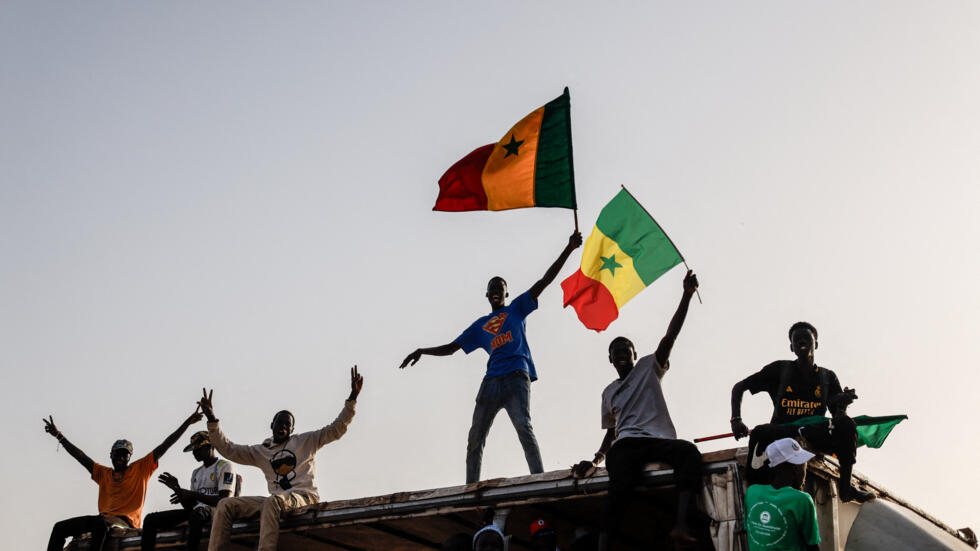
pixel 795 394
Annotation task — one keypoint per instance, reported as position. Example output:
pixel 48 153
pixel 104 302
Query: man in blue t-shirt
pixel 510 369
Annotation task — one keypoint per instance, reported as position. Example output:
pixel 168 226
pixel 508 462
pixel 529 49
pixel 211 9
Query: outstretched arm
pixel 78 454
pixel 738 427
pixel 231 451
pixel 444 350
pixel 574 242
pixel 667 343
pixel 165 445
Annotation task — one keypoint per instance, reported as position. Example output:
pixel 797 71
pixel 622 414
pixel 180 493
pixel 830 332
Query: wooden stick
pixel 575 214
pixel 715 437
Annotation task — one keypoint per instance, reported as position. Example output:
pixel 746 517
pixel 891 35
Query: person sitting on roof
pixel 510 370
pixel 800 388
pixel 639 429
pixel 288 462
pixel 122 488
pixel 543 536
pixel 780 516
pixel 489 538
pixel 213 481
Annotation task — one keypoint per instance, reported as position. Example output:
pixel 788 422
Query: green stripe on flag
pixel 624 221
pixel 554 176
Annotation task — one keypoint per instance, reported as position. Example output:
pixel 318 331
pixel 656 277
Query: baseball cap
pixel 122 444
pixel 198 439
pixel 787 450
pixel 539 525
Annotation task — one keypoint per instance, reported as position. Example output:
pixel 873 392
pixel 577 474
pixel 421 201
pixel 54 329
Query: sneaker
pixel 850 493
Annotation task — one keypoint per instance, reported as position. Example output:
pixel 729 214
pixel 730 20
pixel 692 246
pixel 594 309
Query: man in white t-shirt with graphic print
pixel 639 429
pixel 213 481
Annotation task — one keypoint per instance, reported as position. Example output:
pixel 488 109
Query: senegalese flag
pixel 531 166
pixel 871 431
pixel 626 251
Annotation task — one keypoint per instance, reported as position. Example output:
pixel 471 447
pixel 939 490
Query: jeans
pixel 512 392
pixel 97 525
pixel 165 520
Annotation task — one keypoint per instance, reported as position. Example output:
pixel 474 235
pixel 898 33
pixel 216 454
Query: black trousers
pixel 840 441
pixel 165 520
pixel 625 462
pixel 97 525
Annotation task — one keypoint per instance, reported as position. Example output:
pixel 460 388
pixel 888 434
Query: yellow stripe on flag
pixel 508 177
pixel 605 262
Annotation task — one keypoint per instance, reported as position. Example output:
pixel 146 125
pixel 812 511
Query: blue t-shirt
pixel 501 334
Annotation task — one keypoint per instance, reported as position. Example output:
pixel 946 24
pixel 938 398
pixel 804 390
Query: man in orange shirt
pixel 122 488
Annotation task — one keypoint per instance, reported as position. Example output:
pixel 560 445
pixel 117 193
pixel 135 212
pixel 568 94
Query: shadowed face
pixel 120 458
pixel 803 343
pixel 202 452
pixel 622 354
pixel 496 292
pixel 489 541
pixel 282 426
pixel 544 540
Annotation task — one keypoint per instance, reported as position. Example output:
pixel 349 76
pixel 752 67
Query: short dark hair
pixel 497 278
pixel 621 339
pixel 284 412
pixel 802 325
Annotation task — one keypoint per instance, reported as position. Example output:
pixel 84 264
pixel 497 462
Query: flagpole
pixel 575 214
pixel 665 235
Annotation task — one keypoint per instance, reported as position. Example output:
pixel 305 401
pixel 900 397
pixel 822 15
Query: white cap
pixel 785 450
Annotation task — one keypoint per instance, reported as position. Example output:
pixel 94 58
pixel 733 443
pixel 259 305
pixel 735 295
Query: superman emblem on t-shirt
pixel 494 324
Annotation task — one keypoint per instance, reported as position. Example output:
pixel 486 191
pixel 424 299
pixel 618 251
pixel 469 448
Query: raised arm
pixel 667 343
pixel 338 427
pixel 444 350
pixel 574 242
pixel 234 452
pixel 585 468
pixel 165 445
pixel 78 454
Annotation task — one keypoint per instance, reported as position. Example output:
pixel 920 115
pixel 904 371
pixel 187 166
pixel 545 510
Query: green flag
pixel 871 431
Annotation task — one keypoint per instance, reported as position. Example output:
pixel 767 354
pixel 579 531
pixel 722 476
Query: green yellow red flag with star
pixel 625 253
pixel 531 166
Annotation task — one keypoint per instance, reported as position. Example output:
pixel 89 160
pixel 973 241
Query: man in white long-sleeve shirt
pixel 289 463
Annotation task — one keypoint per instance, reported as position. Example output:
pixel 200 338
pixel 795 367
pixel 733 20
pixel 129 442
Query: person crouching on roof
pixel 288 462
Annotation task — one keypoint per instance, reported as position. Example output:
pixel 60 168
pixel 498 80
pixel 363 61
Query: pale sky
pixel 239 197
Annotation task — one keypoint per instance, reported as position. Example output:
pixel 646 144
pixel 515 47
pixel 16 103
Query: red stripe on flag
pixel 461 187
pixel 593 303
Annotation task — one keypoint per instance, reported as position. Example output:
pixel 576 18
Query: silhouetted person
pixel 288 462
pixel 780 516
pixel 639 429
pixel 800 388
pixel 510 370
pixel 122 488
pixel 543 536
pixel 213 481
pixel 488 538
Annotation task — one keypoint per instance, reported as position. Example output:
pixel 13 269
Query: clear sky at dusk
pixel 239 197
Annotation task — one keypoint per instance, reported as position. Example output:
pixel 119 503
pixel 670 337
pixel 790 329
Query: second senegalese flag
pixel 626 251
pixel 531 166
